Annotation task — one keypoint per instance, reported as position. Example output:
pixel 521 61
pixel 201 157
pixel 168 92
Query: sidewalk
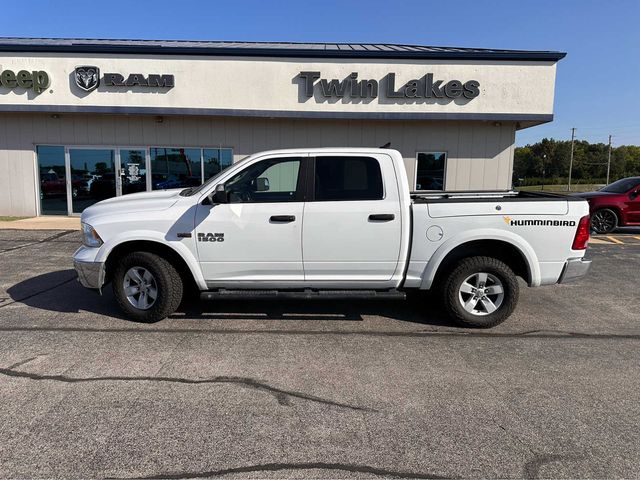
pixel 43 223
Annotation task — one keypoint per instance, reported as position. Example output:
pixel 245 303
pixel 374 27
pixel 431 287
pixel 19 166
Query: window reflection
pixel 215 160
pixel 175 168
pixel 93 176
pixel 53 184
pixel 430 170
pixel 93 172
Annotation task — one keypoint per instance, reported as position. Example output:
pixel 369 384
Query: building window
pixel 53 180
pixel 430 170
pixel 100 173
pixel 175 168
pixel 348 178
pixel 186 167
pixel 215 160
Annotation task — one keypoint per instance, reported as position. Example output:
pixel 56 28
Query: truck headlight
pixel 90 237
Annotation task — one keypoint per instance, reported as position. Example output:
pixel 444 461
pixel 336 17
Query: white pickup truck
pixel 328 223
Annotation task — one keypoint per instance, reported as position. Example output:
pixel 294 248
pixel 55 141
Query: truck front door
pixel 257 236
pixel 352 224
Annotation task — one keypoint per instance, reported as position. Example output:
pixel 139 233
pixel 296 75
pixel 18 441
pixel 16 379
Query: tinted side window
pixel 273 180
pixel 348 178
pixel 431 167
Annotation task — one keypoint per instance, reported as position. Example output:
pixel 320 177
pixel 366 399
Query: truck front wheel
pixel 480 292
pixel 146 286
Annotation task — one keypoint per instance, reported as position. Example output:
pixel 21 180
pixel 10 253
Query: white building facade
pixel 84 120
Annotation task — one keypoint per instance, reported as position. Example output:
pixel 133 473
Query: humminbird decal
pixel 211 237
pixel 539 223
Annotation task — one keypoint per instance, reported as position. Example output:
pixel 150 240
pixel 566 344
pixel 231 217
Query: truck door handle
pixel 282 218
pixel 381 217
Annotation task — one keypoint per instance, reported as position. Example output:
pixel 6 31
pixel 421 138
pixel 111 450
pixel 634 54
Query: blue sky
pixel 598 83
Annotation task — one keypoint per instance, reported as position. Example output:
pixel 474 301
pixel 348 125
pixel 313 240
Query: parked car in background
pixel 51 184
pixel 616 205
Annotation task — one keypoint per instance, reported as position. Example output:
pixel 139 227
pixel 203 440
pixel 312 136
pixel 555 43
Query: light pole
pixel 573 136
pixel 544 161
pixel 609 160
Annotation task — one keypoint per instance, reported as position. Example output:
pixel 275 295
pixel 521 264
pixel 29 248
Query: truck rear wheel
pixel 146 286
pixel 480 292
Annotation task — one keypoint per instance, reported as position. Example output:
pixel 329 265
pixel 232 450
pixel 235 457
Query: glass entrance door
pixel 91 177
pixel 132 164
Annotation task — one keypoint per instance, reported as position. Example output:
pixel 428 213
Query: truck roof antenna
pixel 386 145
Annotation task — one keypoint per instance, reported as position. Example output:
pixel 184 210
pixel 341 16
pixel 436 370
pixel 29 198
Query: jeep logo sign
pixel 38 81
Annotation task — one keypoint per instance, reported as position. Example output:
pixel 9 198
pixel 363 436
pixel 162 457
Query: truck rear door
pixel 352 223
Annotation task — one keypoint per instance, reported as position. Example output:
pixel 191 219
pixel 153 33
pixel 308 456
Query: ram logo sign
pixel 87 77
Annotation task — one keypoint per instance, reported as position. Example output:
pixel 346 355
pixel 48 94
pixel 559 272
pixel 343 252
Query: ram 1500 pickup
pixel 325 223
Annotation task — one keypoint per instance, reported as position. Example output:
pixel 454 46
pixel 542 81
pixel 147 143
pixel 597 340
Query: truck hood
pixel 133 202
pixel 588 195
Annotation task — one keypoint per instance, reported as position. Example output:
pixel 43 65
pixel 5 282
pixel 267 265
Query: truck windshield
pixel 622 186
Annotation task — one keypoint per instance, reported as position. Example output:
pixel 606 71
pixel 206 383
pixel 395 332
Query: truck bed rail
pixel 487 196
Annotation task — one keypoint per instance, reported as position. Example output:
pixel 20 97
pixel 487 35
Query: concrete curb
pixel 43 223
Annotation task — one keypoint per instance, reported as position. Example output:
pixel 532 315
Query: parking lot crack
pixel 24 362
pixel 44 240
pixel 276 467
pixel 282 396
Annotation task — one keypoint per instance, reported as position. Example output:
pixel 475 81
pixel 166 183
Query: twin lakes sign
pixel 425 87
pixel 37 80
pixel 88 78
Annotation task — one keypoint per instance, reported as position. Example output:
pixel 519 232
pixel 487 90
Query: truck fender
pixel 517 241
pixel 148 235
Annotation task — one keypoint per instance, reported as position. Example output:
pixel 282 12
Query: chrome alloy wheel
pixel 481 293
pixel 140 288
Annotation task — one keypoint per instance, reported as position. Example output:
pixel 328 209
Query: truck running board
pixel 303 294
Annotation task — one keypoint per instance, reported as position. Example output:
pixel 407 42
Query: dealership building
pixel 84 120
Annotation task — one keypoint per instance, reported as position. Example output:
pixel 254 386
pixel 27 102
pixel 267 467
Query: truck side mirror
pixel 219 195
pixel 262 184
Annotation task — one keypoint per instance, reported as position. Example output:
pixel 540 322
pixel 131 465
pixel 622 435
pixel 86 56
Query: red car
pixel 616 205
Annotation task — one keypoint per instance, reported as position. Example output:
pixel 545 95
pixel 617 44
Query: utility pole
pixel 609 161
pixel 573 136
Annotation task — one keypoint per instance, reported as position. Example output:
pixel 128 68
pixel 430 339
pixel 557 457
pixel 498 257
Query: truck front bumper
pixel 90 274
pixel 574 269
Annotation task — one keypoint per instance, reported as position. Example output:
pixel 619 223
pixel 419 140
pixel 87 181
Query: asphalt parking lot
pixel 356 389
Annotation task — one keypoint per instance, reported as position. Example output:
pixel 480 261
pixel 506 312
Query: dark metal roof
pixel 268 49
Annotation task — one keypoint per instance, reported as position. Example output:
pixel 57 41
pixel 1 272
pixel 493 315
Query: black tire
pixel 604 220
pixel 497 271
pixel 166 279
